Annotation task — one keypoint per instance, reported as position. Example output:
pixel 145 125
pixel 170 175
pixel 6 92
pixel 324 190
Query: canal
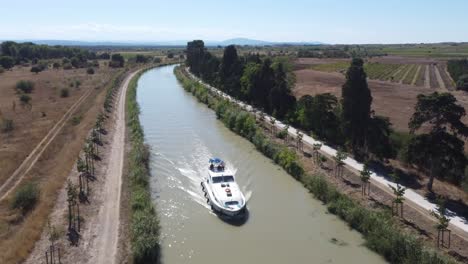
pixel 285 223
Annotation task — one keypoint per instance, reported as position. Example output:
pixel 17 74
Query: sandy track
pixel 415 78
pixel 15 179
pixel 439 79
pixel 106 230
pixel 406 73
pixel 427 78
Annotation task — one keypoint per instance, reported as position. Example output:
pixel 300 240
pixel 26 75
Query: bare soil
pixel 393 100
pixel 98 242
pixel 32 124
pixel 19 232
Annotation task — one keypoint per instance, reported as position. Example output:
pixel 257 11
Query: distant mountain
pixel 234 41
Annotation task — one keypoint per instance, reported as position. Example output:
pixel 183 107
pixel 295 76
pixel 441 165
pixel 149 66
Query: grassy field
pixel 428 50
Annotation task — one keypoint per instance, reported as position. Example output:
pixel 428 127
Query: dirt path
pixel 12 182
pixel 106 231
pixel 415 78
pixel 439 79
pixel 427 78
pixel 406 73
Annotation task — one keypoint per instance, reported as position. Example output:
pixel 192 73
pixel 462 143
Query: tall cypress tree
pixel 356 103
pixel 230 71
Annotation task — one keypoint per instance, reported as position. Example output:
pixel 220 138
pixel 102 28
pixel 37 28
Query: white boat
pixel 222 191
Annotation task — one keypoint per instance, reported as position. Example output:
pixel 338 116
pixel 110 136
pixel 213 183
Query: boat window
pixel 228 179
pixel 217 179
pixel 232 203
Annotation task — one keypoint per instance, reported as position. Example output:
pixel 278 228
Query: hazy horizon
pixel 332 22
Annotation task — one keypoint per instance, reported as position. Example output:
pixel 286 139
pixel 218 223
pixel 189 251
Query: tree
pixel 440 152
pixel 280 99
pixel 443 222
pixel 462 83
pixel 399 192
pixel 230 71
pixel 7 62
pixel 356 102
pixel 339 162
pixel 365 175
pixel 104 56
pixel 36 69
pixel 117 61
pixel 378 137
pixel 316 154
pixel 141 59
pixel 195 52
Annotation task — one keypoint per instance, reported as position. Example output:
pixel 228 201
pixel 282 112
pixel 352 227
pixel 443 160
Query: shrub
pixel 25 197
pixel 2 70
pixel 64 92
pixel 25 99
pixel 36 69
pixel 25 86
pixel 7 125
pixel 67 66
pixel 56 65
pixel 90 71
pixel 157 60
pixel 76 120
pixel 282 134
pixel 144 219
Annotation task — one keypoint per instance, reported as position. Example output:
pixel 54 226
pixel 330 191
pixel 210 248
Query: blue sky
pixel 331 21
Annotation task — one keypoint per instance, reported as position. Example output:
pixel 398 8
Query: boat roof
pixel 216 173
pixel 216 161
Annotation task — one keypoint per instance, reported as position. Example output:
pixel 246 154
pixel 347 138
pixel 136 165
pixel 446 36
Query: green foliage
pixel 400 142
pixel 356 104
pixel 64 92
pixel 457 68
pixel 90 71
pixel 141 58
pixel 30 51
pixel 7 125
pixel 36 69
pixel 25 99
pixel 440 152
pixel 7 62
pixel 462 82
pixel 320 114
pixel 25 198
pixel 144 220
pixel 378 137
pixel 76 120
pixel 25 86
pixel 117 61
pixel 104 56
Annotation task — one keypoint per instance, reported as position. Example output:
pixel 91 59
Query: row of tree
pixel 349 122
pixel 261 82
pixel 24 52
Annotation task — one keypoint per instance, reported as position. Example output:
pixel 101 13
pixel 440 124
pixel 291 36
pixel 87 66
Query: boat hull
pixel 218 208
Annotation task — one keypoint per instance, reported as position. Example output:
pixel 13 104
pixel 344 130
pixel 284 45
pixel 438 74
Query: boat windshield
pixel 228 179
pixel 217 179
pixel 231 203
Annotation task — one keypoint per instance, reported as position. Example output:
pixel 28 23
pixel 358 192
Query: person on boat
pixel 211 166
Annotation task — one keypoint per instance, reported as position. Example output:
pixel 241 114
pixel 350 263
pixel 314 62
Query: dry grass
pixel 18 237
